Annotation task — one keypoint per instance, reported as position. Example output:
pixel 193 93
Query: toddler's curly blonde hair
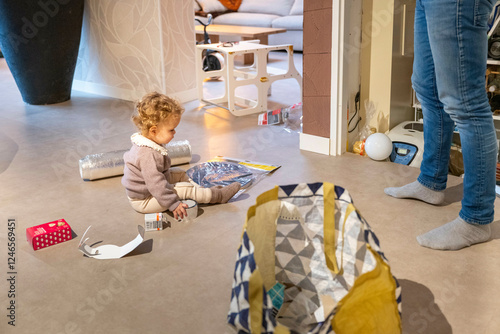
pixel 153 109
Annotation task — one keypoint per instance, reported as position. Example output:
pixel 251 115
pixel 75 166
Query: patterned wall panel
pixel 130 47
pixel 178 45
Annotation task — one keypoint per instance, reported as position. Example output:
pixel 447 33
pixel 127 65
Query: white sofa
pixel 287 14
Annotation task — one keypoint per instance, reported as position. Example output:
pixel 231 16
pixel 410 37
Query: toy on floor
pixel 378 146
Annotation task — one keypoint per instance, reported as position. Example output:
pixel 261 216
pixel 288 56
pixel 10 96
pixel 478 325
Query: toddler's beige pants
pixel 183 186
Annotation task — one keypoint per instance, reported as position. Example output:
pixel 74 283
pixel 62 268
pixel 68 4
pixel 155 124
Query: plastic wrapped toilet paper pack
pixel 102 165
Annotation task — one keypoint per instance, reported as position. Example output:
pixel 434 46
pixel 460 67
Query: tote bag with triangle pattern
pixel 308 262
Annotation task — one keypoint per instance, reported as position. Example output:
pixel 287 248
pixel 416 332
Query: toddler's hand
pixel 180 211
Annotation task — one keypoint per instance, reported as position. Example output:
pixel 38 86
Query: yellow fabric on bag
pixel 329 237
pixel 281 330
pixel 350 209
pixel 260 225
pixel 329 227
pixel 267 196
pixel 370 306
pixel 261 229
pixel 256 300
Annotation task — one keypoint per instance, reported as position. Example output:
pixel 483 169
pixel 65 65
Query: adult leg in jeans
pixel 438 126
pixel 456 34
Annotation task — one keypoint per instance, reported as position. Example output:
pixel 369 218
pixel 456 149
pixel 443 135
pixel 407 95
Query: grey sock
pixel 455 235
pixel 417 191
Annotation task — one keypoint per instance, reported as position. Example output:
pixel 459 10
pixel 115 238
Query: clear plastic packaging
pixel 370 113
pixel 292 118
pixel 223 171
pixel 217 173
pixel 366 131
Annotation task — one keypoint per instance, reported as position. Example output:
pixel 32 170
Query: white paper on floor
pixel 106 252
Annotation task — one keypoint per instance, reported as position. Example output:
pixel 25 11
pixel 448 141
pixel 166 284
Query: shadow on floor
pixel 195 158
pixel 241 197
pixel 8 150
pixel 421 314
pixel 145 247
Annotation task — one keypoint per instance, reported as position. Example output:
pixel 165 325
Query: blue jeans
pixel 449 78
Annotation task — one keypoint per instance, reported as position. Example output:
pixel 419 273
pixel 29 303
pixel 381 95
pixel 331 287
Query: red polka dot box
pixel 48 234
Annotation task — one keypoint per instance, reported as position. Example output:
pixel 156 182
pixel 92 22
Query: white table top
pixel 241 46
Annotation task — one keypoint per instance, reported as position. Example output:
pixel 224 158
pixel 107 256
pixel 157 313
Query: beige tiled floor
pixel 179 281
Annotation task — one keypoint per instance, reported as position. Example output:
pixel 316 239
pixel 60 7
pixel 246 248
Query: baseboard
pixel 315 144
pixel 104 90
pixel 127 94
pixel 186 96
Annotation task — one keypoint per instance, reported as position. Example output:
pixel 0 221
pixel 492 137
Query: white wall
pixel 376 64
pixel 352 63
pixel 131 47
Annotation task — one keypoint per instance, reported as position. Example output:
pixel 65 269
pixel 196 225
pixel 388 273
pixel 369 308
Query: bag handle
pixel 329 235
pixel 256 301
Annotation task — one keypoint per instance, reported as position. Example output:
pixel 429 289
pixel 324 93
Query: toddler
pixel 151 184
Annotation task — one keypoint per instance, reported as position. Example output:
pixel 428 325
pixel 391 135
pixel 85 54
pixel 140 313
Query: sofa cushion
pixel 297 8
pixel 276 7
pixel 293 22
pixel 246 19
pixel 293 37
pixel 209 6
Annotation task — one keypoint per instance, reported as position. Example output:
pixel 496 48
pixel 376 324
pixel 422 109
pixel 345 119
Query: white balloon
pixel 378 146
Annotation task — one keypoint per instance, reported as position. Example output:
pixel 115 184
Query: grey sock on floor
pixel 417 191
pixel 455 235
